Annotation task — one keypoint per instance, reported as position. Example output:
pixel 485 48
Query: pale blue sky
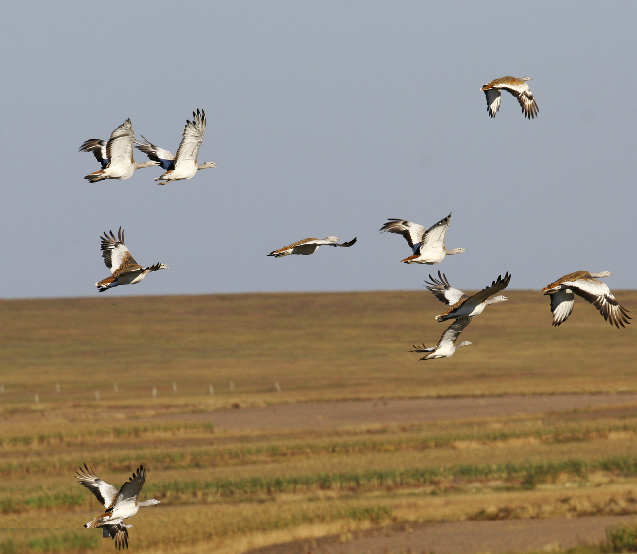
pixel 324 118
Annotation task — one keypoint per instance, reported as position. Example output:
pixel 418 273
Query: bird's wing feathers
pixel 117 531
pixel 411 231
pixel 451 333
pixel 496 286
pixel 423 348
pixel 434 239
pixel 116 255
pixel 129 490
pixel 104 492
pixel 443 291
pixel 345 244
pixel 525 98
pixel 192 139
pixel 98 147
pixel 598 294
pixel 494 99
pixel 119 148
pixel 562 305
pixel 163 157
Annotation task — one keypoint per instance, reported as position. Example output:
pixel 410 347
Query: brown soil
pixel 460 537
pixel 330 415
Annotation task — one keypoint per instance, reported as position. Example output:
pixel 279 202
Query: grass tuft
pixel 622 538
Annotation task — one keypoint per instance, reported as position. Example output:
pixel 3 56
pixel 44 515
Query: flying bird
pixel 586 285
pixel 115 156
pixel 98 147
pixel 518 88
pixel 125 270
pixel 427 245
pixel 467 306
pixel 449 295
pixel 445 346
pixel 184 164
pixel 306 247
pixel 120 505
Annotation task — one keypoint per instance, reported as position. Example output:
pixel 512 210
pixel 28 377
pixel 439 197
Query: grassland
pixel 236 490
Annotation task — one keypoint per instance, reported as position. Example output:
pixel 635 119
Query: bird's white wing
pixel 104 492
pixel 562 305
pixel 493 101
pixel 451 333
pixel 525 98
pixel 443 291
pixel 116 255
pixel 98 147
pixel 598 294
pixel 129 490
pixel 155 153
pixel 434 239
pixel 412 232
pixel 192 139
pixel 119 149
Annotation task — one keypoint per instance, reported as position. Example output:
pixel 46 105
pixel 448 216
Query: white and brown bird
pixel 125 270
pixel 306 247
pixel 427 245
pixel 115 156
pixel 463 305
pixel 446 346
pixel 518 88
pixel 184 164
pixel 586 285
pixel 120 505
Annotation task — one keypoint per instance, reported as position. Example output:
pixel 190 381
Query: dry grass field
pixel 232 490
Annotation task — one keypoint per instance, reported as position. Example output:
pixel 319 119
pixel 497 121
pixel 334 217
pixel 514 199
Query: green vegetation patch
pixel 35 541
pixel 622 538
pixel 530 474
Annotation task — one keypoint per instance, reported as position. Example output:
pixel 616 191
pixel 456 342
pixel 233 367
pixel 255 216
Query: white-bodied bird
pixel 120 505
pixel 115 156
pixel 585 284
pixel 184 164
pixel 427 245
pixel 465 305
pixel 446 346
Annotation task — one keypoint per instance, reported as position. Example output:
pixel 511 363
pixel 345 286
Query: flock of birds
pixel 116 154
pixel 427 246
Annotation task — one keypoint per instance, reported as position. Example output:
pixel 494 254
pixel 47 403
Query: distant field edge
pixel 252 293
